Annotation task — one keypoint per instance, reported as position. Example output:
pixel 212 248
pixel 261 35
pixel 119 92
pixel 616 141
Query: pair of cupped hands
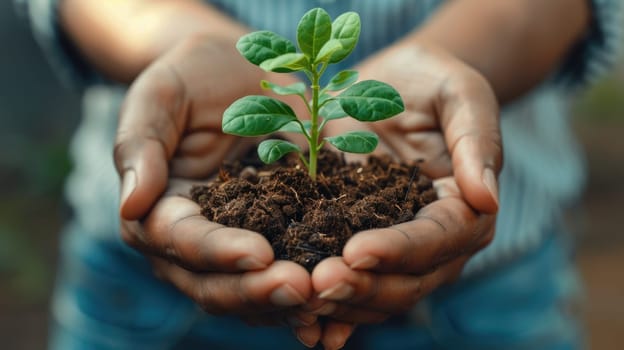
pixel 169 137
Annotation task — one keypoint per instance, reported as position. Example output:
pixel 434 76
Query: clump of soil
pixel 305 221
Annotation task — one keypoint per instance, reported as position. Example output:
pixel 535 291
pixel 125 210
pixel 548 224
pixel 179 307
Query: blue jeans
pixel 106 298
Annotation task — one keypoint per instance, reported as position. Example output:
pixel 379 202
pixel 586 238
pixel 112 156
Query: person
pixel 190 283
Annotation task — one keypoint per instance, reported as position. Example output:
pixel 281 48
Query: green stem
pixel 314 132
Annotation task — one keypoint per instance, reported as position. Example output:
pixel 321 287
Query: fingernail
pixel 301 336
pixel 325 310
pixel 344 342
pixel 286 296
pixel 341 291
pixel 128 185
pixel 489 180
pixel 250 263
pixel 365 263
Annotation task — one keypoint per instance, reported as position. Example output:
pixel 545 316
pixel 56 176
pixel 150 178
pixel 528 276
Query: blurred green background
pixel 38 116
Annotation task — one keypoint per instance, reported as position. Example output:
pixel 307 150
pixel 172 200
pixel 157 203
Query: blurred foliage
pixel 24 272
pixel 37 168
pixel 604 102
pixel 37 117
pixel 30 217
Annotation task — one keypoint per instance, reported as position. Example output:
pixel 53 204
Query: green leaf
pixel 296 127
pixel 293 89
pixel 272 150
pixel 255 116
pixel 260 46
pixel 355 141
pixel 288 62
pixel 345 28
pixel 342 80
pixel 330 47
pixel 313 31
pixel 371 100
pixel 332 110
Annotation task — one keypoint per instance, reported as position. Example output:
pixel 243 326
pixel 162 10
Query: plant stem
pixel 314 129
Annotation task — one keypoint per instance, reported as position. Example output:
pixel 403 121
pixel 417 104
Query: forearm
pixel 515 44
pixel 121 37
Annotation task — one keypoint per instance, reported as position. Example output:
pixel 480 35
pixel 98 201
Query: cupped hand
pixel 225 270
pixel 451 122
pixel 170 133
pixel 385 272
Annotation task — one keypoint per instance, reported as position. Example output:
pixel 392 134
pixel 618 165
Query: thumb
pixel 147 136
pixel 470 122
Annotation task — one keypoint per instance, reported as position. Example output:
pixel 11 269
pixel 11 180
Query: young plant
pixel 321 43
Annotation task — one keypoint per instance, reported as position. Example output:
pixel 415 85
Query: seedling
pixel 321 43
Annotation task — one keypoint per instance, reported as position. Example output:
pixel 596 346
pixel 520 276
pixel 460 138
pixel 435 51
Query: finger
pixel 358 314
pixel 301 319
pixel 319 307
pixel 150 124
pixel 309 335
pixel 280 318
pixel 368 297
pixel 441 231
pixel 200 154
pixel 176 231
pixel 336 334
pixel 281 285
pixel 470 122
pixel 428 146
pixel 336 282
pixel 416 136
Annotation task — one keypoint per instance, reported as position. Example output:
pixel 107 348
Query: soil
pixel 304 221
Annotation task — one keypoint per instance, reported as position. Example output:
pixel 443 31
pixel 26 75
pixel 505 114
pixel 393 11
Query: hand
pixel 451 121
pixel 170 127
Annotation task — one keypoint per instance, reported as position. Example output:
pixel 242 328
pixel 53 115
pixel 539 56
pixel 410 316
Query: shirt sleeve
pixel 599 48
pixel 62 55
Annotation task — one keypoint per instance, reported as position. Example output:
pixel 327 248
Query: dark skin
pixel 179 57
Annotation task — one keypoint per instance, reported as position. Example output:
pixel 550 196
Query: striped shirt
pixel 543 172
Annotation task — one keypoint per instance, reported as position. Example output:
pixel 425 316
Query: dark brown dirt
pixel 306 221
